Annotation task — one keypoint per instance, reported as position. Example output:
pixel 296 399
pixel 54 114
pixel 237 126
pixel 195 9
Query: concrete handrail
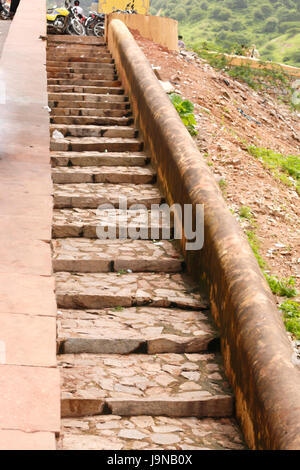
pixel 255 346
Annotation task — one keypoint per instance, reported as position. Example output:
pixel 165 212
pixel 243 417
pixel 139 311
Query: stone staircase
pixel 137 348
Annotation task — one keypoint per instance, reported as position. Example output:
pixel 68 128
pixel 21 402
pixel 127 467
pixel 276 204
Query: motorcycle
pixel 95 24
pixel 129 9
pixel 64 21
pixel 4 10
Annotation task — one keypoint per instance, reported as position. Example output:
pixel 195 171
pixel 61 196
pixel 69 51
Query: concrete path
pixel 4 27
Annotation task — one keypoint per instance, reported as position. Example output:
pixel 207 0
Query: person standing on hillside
pixel 254 54
pixel 13 7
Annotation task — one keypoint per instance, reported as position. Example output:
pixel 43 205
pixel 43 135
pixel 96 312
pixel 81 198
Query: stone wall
pixel 163 31
pixel 256 349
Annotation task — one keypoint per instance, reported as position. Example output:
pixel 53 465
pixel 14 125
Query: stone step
pixel 82 40
pixel 98 290
pixel 87 159
pixel 103 174
pixel 69 223
pixel 85 89
pixel 103 75
pixel 71 55
pixel 92 120
pixel 126 330
pixel 64 60
pixel 92 106
pixel 173 385
pixel 92 195
pixel 80 68
pixel 74 130
pixel 92 256
pixel 91 97
pixel 110 113
pixel 79 81
pixel 63 47
pixel 114 432
pixel 96 144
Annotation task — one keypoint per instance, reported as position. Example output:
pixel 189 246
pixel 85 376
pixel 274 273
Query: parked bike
pixel 95 24
pixel 64 21
pixel 129 9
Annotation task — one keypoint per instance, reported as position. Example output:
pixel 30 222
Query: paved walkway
pixel 4 27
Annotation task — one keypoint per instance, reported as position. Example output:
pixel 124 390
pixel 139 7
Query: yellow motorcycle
pixel 64 21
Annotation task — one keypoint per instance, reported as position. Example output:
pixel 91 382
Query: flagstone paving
pixel 137 348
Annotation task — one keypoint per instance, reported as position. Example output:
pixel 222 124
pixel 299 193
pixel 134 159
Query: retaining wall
pixel 256 349
pixel 161 30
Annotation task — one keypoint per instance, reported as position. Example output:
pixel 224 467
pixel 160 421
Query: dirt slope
pixel 225 133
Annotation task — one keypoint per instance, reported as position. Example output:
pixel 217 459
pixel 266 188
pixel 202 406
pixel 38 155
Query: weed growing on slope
pixel 291 317
pixel 260 78
pixel 281 166
pixel 284 287
pixel 185 109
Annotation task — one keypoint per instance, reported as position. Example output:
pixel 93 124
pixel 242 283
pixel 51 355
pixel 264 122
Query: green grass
pixel 284 287
pixel 273 25
pixel 281 166
pixel 245 212
pixel 291 317
pixel 282 49
pixel 254 243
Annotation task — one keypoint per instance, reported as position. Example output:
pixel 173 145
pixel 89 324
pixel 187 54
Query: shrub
pixel 185 110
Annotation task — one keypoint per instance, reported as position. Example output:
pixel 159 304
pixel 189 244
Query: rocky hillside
pixel 251 142
pixel 273 25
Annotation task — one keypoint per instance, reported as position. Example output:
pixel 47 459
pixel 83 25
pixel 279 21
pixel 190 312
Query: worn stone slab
pixel 101 75
pixel 27 340
pixel 85 255
pixel 150 433
pixel 27 294
pixel 85 89
pixel 105 174
pixel 116 223
pixel 25 227
pixel 20 440
pixel 71 130
pixel 64 60
pixel 83 67
pixel 90 97
pixel 78 103
pixel 168 384
pixel 20 203
pixel 88 120
pixel 98 144
pixel 73 55
pixel 32 257
pixel 28 177
pixel 57 112
pixel 29 398
pixel 98 159
pixel 124 330
pixel 82 41
pixel 81 407
pixel 80 82
pixel 101 290
pixel 93 195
